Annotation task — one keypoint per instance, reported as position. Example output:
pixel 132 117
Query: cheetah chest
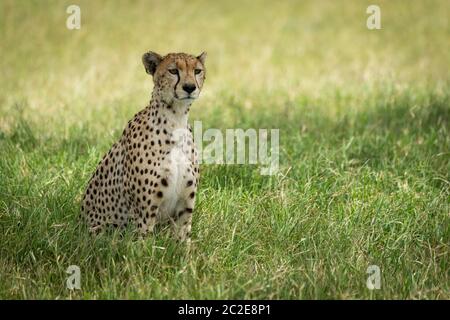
pixel 178 170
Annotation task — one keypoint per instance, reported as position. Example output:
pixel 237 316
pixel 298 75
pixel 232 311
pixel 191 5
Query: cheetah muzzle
pixel 151 174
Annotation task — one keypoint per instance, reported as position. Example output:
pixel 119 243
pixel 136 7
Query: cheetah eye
pixel 197 71
pixel 173 71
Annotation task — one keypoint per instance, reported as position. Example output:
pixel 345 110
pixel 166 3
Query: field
pixel 364 148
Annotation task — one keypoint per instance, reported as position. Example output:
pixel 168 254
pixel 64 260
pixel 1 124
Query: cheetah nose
pixel 189 88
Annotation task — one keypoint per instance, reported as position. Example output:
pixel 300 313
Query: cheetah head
pixel 178 77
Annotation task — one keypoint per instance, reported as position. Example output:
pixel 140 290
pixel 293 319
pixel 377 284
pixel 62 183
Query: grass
pixel 364 149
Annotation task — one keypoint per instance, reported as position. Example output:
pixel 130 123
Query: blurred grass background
pixel 363 118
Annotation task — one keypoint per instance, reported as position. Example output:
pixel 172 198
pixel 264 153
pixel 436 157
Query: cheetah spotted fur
pixel 151 174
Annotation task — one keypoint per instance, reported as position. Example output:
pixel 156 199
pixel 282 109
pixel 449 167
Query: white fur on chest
pixel 177 175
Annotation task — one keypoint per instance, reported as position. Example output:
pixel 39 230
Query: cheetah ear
pixel 202 57
pixel 151 60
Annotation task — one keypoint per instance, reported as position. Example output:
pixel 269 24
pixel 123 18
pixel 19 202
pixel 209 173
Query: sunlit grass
pixel 364 142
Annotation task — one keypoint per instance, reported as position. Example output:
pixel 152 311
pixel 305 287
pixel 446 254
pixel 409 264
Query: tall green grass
pixel 364 148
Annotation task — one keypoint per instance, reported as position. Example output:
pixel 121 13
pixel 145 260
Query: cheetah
pixel 150 176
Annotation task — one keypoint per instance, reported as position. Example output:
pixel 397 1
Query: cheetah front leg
pixel 146 218
pixel 182 223
pixel 182 226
